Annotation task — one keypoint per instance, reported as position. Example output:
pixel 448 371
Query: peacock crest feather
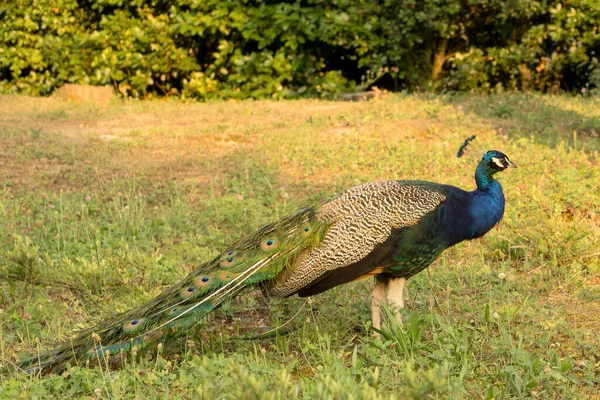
pixel 463 147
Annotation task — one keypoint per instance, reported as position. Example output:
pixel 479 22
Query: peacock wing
pixel 358 243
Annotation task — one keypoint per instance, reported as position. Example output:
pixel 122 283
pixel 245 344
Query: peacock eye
pixel 132 325
pixel 188 291
pixel 306 230
pixel 269 244
pixel 176 310
pixel 500 162
pixel 202 281
pixel 226 275
pixel 232 258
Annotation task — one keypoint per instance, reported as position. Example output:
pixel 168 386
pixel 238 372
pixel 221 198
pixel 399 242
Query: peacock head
pixel 495 161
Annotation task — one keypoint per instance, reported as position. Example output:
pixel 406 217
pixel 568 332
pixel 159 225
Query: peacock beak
pixel 511 164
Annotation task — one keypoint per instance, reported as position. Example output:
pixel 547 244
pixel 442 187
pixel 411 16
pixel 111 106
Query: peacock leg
pixel 377 297
pixel 394 295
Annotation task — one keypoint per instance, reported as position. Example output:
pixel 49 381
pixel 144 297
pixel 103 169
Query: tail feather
pixel 249 262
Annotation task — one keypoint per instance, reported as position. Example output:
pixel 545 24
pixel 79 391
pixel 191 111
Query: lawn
pixel 102 208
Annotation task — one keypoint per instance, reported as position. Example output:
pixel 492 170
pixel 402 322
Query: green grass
pixel 103 208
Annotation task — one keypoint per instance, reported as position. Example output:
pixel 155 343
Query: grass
pixel 103 208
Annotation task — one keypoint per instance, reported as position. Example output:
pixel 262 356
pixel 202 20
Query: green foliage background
pixel 318 48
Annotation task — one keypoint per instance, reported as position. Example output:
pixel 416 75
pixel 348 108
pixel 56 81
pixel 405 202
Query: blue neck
pixel 486 205
pixel 483 176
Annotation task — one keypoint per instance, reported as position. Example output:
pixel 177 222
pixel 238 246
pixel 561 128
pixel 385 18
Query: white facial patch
pixel 498 162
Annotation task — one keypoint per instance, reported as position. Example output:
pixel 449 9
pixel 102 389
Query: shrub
pixel 260 49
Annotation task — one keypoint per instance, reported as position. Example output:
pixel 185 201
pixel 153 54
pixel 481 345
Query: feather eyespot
pixel 226 275
pixel 133 325
pixel 231 258
pixel 177 310
pixel 202 281
pixel 94 349
pixel 229 261
pixel 269 244
pixel 306 230
pixel 188 291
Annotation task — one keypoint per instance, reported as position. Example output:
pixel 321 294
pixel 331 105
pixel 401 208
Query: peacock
pixel 390 230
